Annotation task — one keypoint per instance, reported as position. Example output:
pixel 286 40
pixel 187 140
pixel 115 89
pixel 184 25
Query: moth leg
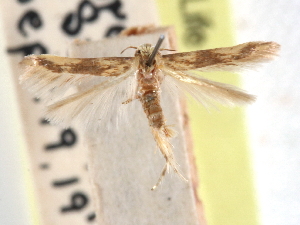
pixel 163 173
pixel 165 147
pixel 129 100
pixel 179 174
pixel 169 132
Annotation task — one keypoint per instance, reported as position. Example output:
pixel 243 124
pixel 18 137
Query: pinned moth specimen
pixel 49 77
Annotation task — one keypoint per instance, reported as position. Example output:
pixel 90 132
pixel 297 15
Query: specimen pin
pixel 155 50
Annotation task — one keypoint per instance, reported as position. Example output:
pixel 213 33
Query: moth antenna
pixel 155 50
pixel 128 48
pixel 166 49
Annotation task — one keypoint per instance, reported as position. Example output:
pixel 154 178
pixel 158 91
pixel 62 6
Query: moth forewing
pixel 234 59
pixel 45 73
pixel 106 66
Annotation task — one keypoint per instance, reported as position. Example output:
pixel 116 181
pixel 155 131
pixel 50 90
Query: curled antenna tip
pixel 155 50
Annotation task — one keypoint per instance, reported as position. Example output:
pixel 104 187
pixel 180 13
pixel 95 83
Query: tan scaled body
pixel 149 79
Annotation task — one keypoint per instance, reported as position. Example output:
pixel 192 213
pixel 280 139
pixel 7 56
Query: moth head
pixel 144 50
pixel 144 54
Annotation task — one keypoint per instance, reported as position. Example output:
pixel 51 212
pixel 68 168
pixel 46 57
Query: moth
pixel 50 77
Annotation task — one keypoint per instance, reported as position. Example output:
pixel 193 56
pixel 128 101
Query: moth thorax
pixel 148 75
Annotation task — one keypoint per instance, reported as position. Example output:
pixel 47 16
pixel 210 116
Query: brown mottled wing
pixel 109 66
pixel 103 86
pixel 234 58
pixel 45 73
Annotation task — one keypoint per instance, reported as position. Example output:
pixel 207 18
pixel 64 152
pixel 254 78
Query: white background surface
pixel 274 120
pixel 13 198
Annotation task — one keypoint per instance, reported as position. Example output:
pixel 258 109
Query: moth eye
pixel 138 52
